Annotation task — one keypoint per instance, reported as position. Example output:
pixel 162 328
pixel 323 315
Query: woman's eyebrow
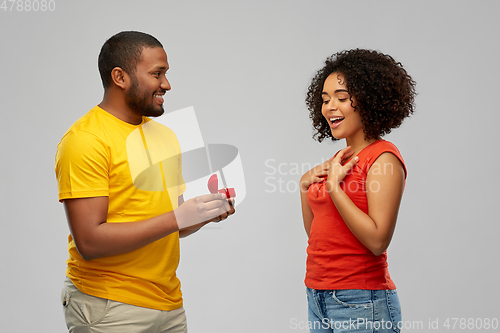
pixel 341 90
pixel 335 92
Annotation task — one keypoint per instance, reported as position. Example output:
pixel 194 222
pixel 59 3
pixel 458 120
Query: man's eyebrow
pixel 159 68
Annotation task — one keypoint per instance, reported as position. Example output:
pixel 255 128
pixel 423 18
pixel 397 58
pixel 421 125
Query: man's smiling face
pixel 149 83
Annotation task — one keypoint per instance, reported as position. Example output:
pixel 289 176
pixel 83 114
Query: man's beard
pixel 140 102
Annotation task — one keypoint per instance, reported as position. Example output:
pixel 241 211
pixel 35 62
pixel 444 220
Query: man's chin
pixel 153 112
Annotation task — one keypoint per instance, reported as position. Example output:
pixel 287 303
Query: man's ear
pixel 120 78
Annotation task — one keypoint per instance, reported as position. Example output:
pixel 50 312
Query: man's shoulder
pixel 87 130
pixel 92 122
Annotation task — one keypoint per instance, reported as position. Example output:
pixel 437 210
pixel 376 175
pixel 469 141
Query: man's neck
pixel 118 108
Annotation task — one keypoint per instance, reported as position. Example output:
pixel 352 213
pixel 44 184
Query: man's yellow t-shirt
pixel 139 168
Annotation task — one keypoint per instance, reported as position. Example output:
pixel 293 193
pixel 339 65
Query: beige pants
pixel 85 313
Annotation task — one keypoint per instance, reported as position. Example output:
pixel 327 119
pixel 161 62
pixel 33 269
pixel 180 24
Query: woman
pixel 350 203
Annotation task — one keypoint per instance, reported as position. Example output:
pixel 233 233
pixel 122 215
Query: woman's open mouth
pixel 335 121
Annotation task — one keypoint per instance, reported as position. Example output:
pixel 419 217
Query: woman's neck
pixel 359 143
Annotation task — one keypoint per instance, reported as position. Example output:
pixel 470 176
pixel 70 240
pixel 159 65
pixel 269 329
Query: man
pixel 119 177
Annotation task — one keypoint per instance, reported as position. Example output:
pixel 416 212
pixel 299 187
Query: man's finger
pixel 206 198
pixel 217 204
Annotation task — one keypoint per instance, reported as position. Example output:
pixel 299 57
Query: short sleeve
pixel 82 164
pixel 377 149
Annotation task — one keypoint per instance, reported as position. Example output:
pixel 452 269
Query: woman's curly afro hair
pixel 383 91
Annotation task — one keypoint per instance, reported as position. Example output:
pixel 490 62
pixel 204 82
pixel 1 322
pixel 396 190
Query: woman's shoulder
pixel 377 148
pixel 381 146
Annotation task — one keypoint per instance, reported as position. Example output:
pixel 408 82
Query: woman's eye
pixel 325 102
pixel 342 99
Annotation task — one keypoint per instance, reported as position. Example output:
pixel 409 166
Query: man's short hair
pixel 123 50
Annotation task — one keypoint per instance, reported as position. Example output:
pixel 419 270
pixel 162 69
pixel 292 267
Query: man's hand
pixel 205 208
pixel 224 216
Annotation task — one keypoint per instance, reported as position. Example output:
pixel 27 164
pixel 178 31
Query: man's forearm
pixel 191 230
pixel 109 239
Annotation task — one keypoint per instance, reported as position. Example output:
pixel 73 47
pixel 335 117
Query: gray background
pixel 245 67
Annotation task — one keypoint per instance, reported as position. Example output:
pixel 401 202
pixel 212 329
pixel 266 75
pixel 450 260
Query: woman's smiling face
pixel 338 108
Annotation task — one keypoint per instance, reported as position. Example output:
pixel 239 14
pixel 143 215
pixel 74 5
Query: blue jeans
pixel 362 311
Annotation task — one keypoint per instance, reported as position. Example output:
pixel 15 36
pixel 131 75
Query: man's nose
pixel 165 84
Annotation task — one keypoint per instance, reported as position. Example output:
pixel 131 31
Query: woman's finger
pixel 343 154
pixel 346 150
pixel 337 158
pixel 352 162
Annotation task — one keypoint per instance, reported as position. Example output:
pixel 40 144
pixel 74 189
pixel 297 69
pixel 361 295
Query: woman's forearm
pixel 363 227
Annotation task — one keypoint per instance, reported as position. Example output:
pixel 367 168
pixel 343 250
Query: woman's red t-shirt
pixel 336 259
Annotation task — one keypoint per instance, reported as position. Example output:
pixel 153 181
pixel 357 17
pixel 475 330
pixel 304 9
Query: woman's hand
pixel 315 175
pixel 337 171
